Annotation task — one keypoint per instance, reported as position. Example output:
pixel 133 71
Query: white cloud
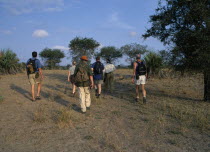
pixel 7 32
pixel 115 21
pixel 18 7
pixel 60 47
pixel 133 33
pixel 40 33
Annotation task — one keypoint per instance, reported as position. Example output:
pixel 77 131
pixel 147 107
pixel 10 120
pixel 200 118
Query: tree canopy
pixel 51 57
pixel 184 25
pixel 110 52
pixel 131 50
pixel 82 46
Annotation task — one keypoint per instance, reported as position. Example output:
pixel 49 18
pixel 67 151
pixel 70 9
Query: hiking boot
pixel 98 96
pixel 144 100
pixel 96 90
pixel 38 98
pixel 137 99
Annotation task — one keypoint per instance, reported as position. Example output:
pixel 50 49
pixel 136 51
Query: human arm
pixel 91 82
pixel 134 71
pixel 41 74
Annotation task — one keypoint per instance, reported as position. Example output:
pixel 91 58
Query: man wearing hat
pixel 139 77
pixel 84 80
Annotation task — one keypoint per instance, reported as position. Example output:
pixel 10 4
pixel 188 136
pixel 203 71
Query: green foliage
pixel 8 62
pixel 185 25
pixel 110 52
pixel 166 58
pixel 82 46
pixel 52 57
pixel 154 62
pixel 132 50
pixel 1 99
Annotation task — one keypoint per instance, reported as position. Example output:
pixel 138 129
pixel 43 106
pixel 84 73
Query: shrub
pixel 9 62
pixel 154 62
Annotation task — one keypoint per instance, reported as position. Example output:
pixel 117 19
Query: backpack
pixel 31 66
pixel 98 68
pixel 141 68
pixel 81 75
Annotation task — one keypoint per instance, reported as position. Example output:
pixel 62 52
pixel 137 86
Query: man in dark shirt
pixel 98 69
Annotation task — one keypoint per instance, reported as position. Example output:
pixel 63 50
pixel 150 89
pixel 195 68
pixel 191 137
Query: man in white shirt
pixel 109 76
pixel 71 77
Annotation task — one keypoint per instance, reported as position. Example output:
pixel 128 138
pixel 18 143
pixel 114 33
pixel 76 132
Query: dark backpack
pixel 141 68
pixel 98 68
pixel 31 66
pixel 81 74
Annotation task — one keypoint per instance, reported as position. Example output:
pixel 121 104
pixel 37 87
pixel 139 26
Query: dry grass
pixel 40 115
pixel 66 117
pixel 174 119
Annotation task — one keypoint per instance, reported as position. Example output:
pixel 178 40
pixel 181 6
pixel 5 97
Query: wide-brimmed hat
pixel 84 58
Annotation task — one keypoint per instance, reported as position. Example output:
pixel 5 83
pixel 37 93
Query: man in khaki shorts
pixel 139 77
pixel 35 76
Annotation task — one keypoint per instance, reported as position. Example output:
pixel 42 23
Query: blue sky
pixel 28 25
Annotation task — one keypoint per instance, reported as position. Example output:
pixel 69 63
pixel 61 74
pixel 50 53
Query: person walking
pixel 139 77
pixel 71 77
pixel 35 75
pixel 98 69
pixel 84 81
pixel 109 75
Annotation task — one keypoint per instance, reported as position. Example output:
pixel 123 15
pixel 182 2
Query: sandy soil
pixel 174 119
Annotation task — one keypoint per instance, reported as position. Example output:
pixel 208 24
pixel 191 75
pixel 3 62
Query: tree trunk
pixel 207 85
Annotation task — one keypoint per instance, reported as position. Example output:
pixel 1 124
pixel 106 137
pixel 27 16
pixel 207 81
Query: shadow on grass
pixel 126 91
pixel 20 90
pixel 60 77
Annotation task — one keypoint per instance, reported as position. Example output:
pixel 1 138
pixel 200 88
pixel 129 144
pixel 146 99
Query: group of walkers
pixel 84 77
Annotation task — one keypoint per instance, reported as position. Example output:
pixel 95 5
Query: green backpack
pixel 81 75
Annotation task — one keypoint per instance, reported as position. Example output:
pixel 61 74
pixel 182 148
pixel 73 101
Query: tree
pixel 8 62
pixel 166 58
pixel 154 62
pixel 110 52
pixel 82 46
pixel 132 50
pixel 51 57
pixel 185 25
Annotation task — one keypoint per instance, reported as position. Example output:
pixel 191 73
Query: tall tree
pixel 82 46
pixel 110 52
pixel 131 50
pixel 52 57
pixel 185 25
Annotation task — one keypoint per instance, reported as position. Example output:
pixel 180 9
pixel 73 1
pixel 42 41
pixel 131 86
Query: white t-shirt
pixel 109 68
pixel 71 69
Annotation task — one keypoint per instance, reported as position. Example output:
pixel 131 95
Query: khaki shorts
pixel 98 81
pixel 33 80
pixel 141 80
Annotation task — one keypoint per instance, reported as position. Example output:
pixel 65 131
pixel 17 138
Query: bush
pixel 154 62
pixel 9 62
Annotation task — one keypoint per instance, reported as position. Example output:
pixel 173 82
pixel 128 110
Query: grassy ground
pixel 174 119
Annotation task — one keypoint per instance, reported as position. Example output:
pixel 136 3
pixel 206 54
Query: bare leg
pixel 32 91
pixel 144 93
pixel 137 91
pixel 99 88
pixel 74 88
pixel 39 89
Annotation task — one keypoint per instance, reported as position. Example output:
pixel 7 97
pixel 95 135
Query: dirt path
pixel 114 122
